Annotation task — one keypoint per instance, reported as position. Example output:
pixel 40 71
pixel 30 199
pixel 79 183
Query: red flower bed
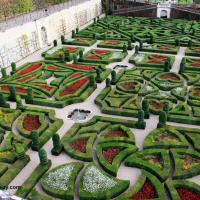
pixel 185 194
pixel 71 48
pixel 79 145
pixel 52 67
pixel 146 192
pixel 109 154
pixel 74 75
pixel 197 48
pixel 169 77
pixel 159 56
pixel 197 92
pixel 155 62
pixel 196 60
pixel 117 133
pixel 102 52
pixel 71 89
pixel 112 42
pixel 164 48
pixel 31 122
pixel 196 65
pixel 128 85
pixel 156 105
pixel 45 87
pixel 26 78
pixel 18 90
pixel 82 67
pixel 84 40
pixel 30 69
pixel 93 57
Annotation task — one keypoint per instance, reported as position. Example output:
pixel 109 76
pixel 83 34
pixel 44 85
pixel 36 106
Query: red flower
pixel 71 89
pixel 197 92
pixel 31 122
pixel 169 77
pixel 185 194
pixel 77 74
pixel 164 48
pixel 79 145
pixel 93 57
pixel 159 56
pixel 45 87
pixel 196 65
pixel 146 192
pixel 129 85
pixel 30 69
pixel 102 52
pixel 109 154
pixel 197 48
pixel 71 48
pixel 26 78
pixel 52 67
pixel 82 67
pixel 18 90
pixel 117 133
pixel 156 62
pixel 156 105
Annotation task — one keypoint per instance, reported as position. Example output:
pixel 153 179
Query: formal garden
pixel 140 137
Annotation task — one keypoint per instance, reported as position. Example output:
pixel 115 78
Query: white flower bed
pixel 116 55
pixel 179 90
pixel 53 50
pixel 59 179
pixel 95 181
pixel 149 88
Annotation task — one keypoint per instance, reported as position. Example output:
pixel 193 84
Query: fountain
pixel 79 114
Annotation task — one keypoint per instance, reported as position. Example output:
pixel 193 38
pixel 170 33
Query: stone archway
pixel 163 14
pixel 44 37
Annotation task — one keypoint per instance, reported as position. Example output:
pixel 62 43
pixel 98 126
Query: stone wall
pixel 22 40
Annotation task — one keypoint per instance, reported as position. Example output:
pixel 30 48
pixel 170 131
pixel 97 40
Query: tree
pixel 35 140
pixel 107 82
pixel 43 157
pixel 3 101
pixel 98 76
pixel 55 43
pixel 12 96
pixel 113 77
pixel 145 107
pixel 162 119
pixel 3 72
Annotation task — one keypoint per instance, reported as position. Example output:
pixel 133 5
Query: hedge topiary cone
pixel 35 140
pixel 12 96
pixel 162 119
pixel 141 123
pixel 145 108
pixel 3 101
pixel 43 157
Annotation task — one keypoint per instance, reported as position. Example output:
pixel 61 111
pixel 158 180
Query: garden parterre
pixel 169 156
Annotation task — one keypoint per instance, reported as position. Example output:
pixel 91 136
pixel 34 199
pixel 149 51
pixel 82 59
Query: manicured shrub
pixel 94 36
pixel 113 77
pixel 62 58
pixel 182 68
pixel 3 73
pixel 81 55
pixel 13 67
pixel 167 66
pixel 57 146
pixel 151 40
pixel 43 157
pixel 145 107
pixel 73 34
pixel 124 48
pixel 98 76
pixel 177 42
pixel 132 37
pixel 129 45
pixel 141 45
pixel 19 102
pixel 35 140
pixel 137 49
pixel 20 151
pixel 55 43
pixel 92 81
pixel 107 82
pixel 77 30
pixel 62 39
pixel 30 96
pixel 166 107
pixel 75 59
pixel 12 91
pixel 162 119
pixel 190 43
pixel 141 123
pixel 3 101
